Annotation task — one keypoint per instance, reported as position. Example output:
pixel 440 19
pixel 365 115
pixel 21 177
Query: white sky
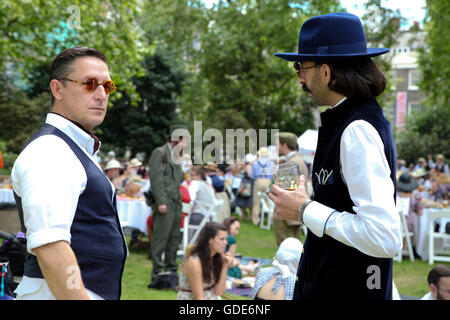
pixel 413 10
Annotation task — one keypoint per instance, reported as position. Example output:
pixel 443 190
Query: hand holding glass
pixel 287 176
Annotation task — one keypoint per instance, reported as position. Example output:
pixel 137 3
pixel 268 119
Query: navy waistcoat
pixel 328 268
pixel 96 237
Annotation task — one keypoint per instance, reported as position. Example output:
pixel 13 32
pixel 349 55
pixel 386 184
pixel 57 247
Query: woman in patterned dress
pixel 204 272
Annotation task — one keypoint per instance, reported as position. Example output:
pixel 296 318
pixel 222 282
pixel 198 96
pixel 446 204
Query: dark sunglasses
pixel 298 67
pixel 92 84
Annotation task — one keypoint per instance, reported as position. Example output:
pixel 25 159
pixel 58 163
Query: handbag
pixel 245 189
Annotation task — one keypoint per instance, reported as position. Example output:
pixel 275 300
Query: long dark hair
pixel 201 248
pixel 360 78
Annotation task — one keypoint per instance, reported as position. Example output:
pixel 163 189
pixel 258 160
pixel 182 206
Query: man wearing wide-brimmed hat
pixel 353 225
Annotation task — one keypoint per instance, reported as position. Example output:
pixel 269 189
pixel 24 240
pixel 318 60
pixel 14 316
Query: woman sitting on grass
pixel 236 269
pixel 204 272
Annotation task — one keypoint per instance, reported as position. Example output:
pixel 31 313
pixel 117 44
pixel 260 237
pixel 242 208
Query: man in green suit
pixel 166 176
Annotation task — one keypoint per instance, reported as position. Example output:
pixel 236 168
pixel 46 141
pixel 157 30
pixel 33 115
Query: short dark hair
pixel 199 170
pixel 62 64
pixel 229 221
pixel 438 272
pixel 360 78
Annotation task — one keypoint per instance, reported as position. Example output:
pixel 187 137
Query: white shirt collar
pixel 80 137
pixel 342 100
pixel 290 154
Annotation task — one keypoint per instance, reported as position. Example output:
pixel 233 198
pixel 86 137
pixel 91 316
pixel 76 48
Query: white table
pixel 7 196
pixel 421 234
pixel 133 213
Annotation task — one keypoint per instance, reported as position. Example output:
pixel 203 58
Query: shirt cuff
pixel 46 236
pixel 316 216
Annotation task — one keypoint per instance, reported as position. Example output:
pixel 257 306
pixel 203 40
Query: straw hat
pixel 211 166
pixel 263 152
pixel 113 164
pixel 419 173
pixel 135 162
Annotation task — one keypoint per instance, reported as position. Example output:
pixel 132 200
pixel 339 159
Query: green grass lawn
pixel 409 277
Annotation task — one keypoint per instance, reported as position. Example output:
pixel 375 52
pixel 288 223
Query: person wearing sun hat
pixel 352 220
pixel 112 169
pixel 261 174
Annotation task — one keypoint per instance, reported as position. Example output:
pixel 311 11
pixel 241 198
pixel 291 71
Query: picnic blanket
pixel 245 285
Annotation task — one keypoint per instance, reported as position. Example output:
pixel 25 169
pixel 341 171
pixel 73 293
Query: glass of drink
pixel 287 175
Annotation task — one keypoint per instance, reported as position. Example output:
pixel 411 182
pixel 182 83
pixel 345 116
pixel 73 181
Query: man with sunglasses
pixel 67 206
pixel 353 225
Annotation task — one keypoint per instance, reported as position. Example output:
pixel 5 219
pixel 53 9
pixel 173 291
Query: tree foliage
pixel 211 64
pixel 144 127
pixel 34 31
pixel 426 133
pixel 429 130
pixel 243 76
pixel 434 59
pixel 20 115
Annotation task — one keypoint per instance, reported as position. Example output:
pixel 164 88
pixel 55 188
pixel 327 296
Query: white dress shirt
pixel 49 178
pixel 375 228
pixel 202 196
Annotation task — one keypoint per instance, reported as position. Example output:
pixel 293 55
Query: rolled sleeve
pixel 49 178
pixel 46 236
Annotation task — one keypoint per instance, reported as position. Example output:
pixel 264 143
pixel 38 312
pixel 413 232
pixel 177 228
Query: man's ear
pixel 433 290
pixel 56 89
pixel 326 73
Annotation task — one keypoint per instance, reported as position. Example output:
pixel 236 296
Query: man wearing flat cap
pixel 353 225
pixel 166 177
pixel 287 147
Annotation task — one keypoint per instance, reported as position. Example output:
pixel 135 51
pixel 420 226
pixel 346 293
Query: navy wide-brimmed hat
pixel 332 37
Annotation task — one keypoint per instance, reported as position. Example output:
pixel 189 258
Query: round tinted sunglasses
pixel 92 84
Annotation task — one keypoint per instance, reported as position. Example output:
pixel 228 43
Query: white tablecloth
pixel 421 234
pixel 7 196
pixel 134 214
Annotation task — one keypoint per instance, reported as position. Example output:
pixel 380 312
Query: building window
pixel 413 81
pixel 414 106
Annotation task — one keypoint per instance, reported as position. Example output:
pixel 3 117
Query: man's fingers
pixel 275 189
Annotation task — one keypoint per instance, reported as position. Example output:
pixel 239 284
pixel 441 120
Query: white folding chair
pixel 435 255
pixel 232 198
pixel 184 230
pixel 403 204
pixel 209 217
pixel 267 209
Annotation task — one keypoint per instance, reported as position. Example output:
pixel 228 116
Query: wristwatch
pixel 302 208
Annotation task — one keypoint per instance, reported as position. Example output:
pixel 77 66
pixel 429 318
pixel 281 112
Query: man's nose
pixel 100 93
pixel 301 80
